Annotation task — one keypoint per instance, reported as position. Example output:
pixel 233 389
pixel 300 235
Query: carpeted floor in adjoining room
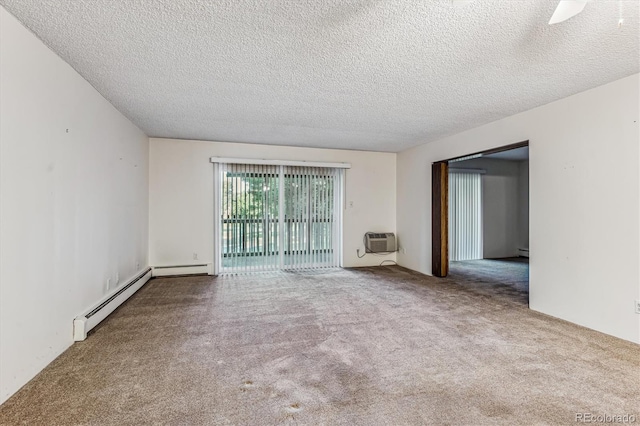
pixel 369 346
pixel 506 278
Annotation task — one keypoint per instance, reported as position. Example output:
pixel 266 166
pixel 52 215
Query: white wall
pixel 181 196
pixel 500 201
pixel 584 195
pixel 523 204
pixel 74 204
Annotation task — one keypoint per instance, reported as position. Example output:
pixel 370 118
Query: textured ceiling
pixel 518 154
pixel 357 74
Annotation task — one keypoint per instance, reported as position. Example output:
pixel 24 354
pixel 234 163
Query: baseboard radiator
pixel 523 252
pixel 84 323
pixel 173 270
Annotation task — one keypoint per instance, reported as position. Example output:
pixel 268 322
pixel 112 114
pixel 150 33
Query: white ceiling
pixel 357 74
pixel 518 154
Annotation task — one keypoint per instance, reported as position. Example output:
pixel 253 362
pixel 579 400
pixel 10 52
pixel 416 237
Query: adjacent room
pixel 346 212
pixel 488 217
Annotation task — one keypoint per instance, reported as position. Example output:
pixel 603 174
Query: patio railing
pixel 259 237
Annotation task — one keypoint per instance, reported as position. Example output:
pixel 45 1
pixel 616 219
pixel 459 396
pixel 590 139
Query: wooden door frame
pixel 440 219
pixel 440 208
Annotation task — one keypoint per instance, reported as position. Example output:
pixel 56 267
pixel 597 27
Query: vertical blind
pixel 465 215
pixel 277 217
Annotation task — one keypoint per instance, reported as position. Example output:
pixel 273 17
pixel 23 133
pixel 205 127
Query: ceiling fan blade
pixel 567 9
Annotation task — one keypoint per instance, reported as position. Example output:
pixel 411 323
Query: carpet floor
pixel 367 346
pixel 506 279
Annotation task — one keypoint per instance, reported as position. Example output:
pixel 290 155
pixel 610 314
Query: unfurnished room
pixel 333 212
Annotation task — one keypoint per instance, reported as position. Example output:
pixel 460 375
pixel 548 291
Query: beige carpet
pixel 372 346
pixel 506 278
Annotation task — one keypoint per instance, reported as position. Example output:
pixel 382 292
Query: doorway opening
pixel 481 214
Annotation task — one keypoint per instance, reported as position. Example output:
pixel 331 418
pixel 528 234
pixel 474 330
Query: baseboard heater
pixel 87 321
pixel 173 270
pixel 523 252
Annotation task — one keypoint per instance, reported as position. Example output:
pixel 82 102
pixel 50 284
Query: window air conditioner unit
pixel 380 243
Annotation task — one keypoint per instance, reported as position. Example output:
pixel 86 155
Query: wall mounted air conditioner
pixel 380 243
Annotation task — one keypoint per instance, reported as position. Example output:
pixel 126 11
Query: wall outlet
pixel 108 284
pixel 637 306
pixel 404 250
pixel 117 278
pixel 195 256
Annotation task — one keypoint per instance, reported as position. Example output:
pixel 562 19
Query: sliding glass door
pixel 310 224
pixel 277 217
pixel 249 217
pixel 465 215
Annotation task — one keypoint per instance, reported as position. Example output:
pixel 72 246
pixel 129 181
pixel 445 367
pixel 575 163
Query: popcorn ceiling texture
pixel 356 74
